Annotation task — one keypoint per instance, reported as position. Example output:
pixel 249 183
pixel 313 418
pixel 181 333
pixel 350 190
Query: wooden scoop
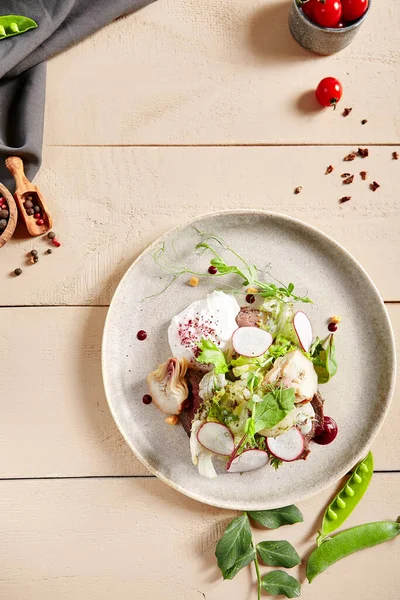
pixel 12 216
pixel 27 192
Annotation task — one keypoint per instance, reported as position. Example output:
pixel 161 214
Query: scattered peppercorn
pixel 298 189
pixel 348 180
pixel 30 212
pixel 328 170
pixel 363 152
pixel 56 243
pixel 34 252
pixel 347 111
pixel 395 155
pixel 212 270
pixel 364 121
pixel 51 235
pixel 374 186
pixel 35 259
pixel 345 175
pixel 17 272
pixel 4 214
pixel 3 224
pixel 344 199
pixel 364 175
pixel 49 251
pixel 350 157
pixel 332 327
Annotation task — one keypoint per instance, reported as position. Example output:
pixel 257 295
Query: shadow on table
pixel 269 36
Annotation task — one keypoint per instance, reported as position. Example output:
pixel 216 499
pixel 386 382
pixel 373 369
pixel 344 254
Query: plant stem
pixel 258 574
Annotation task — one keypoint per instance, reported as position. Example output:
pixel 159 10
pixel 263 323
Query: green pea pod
pixel 347 542
pixel 15 25
pixel 347 499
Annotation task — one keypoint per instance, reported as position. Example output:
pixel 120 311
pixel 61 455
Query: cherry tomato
pixel 354 9
pixel 308 9
pixel 329 92
pixel 327 13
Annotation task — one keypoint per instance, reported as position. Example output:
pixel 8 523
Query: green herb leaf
pixel 278 554
pixel 273 408
pixel 324 359
pixel 276 517
pixel 275 462
pixel 243 561
pixel 211 354
pixel 233 545
pixel 279 583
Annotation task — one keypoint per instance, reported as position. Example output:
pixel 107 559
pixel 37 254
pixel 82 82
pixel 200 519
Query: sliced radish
pixel 217 438
pixel 288 446
pixel 251 341
pixel 303 328
pixel 249 460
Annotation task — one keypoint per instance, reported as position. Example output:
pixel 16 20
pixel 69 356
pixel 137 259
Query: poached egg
pixel 212 318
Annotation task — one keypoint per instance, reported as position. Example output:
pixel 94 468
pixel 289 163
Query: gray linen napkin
pixel 62 23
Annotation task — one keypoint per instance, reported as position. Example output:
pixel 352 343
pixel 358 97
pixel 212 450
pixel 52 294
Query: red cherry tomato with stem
pixel 327 13
pixel 353 9
pixel 329 91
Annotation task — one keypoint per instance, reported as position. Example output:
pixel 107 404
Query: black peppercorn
pixel 49 251
pixel 30 212
pixel 4 214
pixel 34 252
pixel 17 272
pixel 28 204
pixel 51 235
pixel 37 209
pixel 3 224
pixel 35 259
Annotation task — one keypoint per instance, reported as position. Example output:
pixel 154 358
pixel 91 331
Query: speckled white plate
pixel 358 397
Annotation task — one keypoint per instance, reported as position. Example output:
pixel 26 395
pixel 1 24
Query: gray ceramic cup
pixel 321 40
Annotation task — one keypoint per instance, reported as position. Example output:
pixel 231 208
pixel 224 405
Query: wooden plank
pixel 135 538
pixel 221 72
pixel 55 419
pixel 109 203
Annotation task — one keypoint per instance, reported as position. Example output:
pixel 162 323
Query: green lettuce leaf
pixel 211 354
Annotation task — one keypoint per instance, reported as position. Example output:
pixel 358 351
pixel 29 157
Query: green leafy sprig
pixel 236 549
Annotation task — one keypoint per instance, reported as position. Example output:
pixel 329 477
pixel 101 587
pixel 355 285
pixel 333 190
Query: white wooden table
pixel 181 109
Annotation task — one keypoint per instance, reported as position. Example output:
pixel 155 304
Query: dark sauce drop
pixel 328 433
pixel 141 335
pixel 147 399
pixel 250 298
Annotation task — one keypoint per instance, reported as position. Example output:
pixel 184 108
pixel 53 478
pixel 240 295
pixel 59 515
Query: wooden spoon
pixel 27 191
pixel 12 216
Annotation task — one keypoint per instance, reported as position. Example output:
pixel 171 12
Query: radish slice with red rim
pixel 251 341
pixel 249 460
pixel 216 438
pixel 302 326
pixel 288 447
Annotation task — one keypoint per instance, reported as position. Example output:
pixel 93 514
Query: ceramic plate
pixel 358 397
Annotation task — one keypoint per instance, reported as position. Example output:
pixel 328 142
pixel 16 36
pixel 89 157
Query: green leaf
pixel 324 359
pixel 273 408
pixel 276 517
pixel 211 354
pixel 278 554
pixel 243 561
pixel 233 545
pixel 278 583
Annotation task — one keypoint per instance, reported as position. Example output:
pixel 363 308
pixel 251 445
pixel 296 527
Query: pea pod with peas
pixel 347 499
pixel 15 25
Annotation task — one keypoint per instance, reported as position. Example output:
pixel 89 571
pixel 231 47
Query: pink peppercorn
pixel 40 222
pixel 37 215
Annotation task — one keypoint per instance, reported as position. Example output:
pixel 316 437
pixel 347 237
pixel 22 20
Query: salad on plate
pixel 244 375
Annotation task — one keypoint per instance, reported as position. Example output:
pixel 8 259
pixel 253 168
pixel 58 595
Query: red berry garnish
pixel 332 327
pixel 250 298
pixel 141 335
pixel 327 433
pixel 147 399
pixel 212 270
